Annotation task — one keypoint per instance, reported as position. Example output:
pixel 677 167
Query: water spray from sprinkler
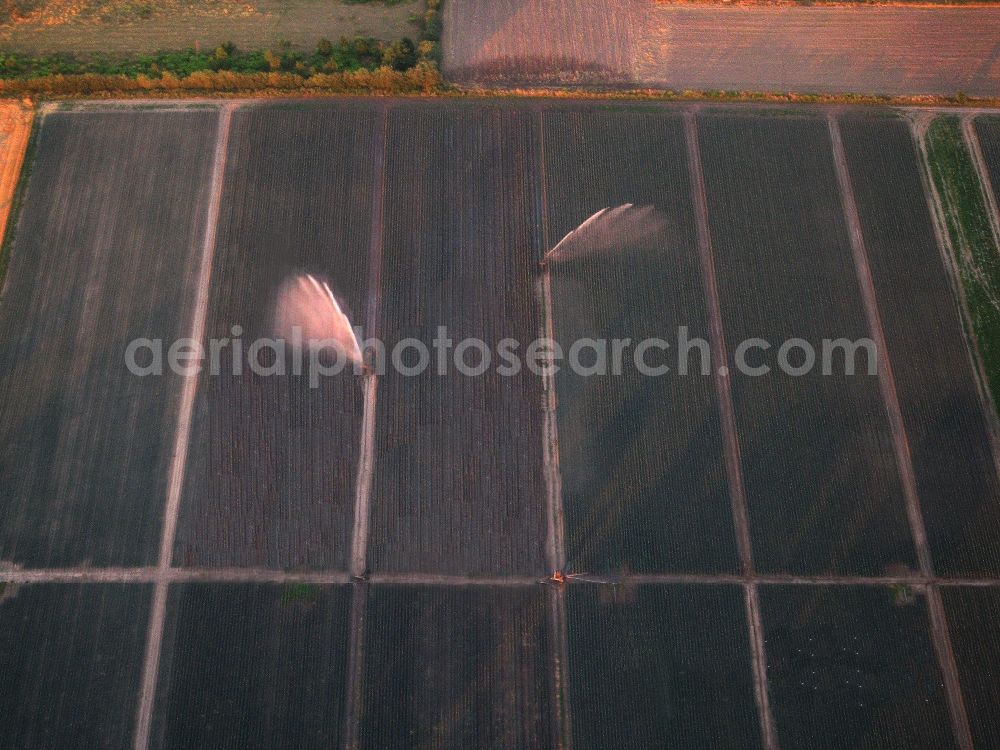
pixel 608 230
pixel 308 304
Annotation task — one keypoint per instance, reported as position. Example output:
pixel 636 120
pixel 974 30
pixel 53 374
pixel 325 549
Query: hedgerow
pixel 327 57
pixel 422 78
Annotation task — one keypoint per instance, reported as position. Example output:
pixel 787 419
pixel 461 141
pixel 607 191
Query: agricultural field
pixel 282 212
pixel 15 129
pixel 628 651
pixel 456 667
pixel 73 494
pixel 822 488
pixel 72 660
pixel 988 130
pixel 137 26
pixel 636 496
pixel 716 558
pixel 460 487
pixel 708 47
pixel 259 672
pixel 973 617
pixel 938 393
pixel 853 666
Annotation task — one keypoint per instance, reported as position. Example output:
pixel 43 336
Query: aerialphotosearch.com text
pixel 680 355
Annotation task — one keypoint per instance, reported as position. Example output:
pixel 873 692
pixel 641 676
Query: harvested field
pixel 853 667
pixel 71 657
pixel 823 492
pixel 272 470
pixel 459 488
pixel 869 50
pixel 460 560
pixel 15 129
pixel 643 476
pixel 523 40
pixel 948 433
pixel 145 27
pixel 661 666
pixel 84 444
pixel 267 668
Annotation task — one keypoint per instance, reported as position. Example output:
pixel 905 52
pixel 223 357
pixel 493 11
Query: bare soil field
pixel 988 129
pixel 264 647
pixel 281 491
pixel 460 486
pixel 937 391
pixel 816 449
pixel 824 641
pixel 84 444
pixel 864 50
pixel 974 619
pixel 619 435
pixel 81 642
pixel 384 563
pixel 115 26
pixel 433 674
pixel 617 653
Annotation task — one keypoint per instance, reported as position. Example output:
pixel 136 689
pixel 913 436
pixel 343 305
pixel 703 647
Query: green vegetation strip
pixel 968 223
pixel 328 57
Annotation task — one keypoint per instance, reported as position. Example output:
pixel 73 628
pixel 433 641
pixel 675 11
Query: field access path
pixel 379 560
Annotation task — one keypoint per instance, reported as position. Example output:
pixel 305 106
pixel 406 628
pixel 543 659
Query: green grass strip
pixel 968 224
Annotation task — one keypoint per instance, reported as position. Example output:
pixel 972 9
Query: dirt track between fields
pixel 866 50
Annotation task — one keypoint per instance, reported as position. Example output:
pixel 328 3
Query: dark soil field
pixel 661 666
pixel 71 657
pixel 459 488
pixel 973 616
pixel 949 436
pixel 259 672
pixel 85 445
pixel 988 129
pixel 273 466
pixel 702 560
pixel 823 492
pixel 456 667
pixel 643 475
pixel 853 667
pixel 711 47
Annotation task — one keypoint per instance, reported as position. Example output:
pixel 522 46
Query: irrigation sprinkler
pixel 309 305
pixel 606 231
